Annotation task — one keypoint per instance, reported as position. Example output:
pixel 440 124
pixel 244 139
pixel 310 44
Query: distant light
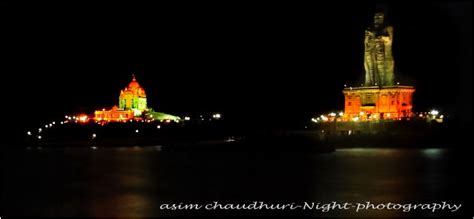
pixel 82 118
pixel 388 114
pixel 230 139
pixel 62 123
pixel 46 126
pixel 361 113
pixel 355 119
pixel 136 131
pixel 39 130
pixel 94 135
pixel 351 88
pixel 94 148
pixel 332 114
pixel 54 123
pixel 39 137
pixel 66 116
pixel 345 85
pixel 398 83
pixel 442 116
pixel 29 133
pixel 74 117
pixel 158 127
pixel 434 112
pixel 187 118
pixel 341 113
pixel 216 116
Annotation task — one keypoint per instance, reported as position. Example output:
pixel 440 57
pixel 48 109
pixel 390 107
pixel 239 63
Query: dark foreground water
pixel 138 181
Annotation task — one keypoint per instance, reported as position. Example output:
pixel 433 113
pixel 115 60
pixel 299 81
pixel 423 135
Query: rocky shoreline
pixel 226 137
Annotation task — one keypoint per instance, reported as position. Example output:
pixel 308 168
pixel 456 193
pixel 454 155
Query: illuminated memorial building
pixel 132 106
pixel 378 98
pixel 132 103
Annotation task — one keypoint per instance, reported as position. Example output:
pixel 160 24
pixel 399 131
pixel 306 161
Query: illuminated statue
pixel 378 98
pixel 378 59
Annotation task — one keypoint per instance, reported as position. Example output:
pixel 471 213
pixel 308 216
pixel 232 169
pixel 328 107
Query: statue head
pixel 378 18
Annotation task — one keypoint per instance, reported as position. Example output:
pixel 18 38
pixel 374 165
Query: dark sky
pixel 236 59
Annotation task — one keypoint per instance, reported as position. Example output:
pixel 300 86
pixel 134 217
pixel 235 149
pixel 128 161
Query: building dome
pixel 134 83
pixel 133 97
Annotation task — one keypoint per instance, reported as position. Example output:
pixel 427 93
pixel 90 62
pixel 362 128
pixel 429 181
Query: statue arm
pixel 390 32
pixel 369 36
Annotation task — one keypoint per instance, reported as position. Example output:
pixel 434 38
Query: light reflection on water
pixel 433 153
pixel 134 181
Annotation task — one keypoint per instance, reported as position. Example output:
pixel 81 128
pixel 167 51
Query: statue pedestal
pixel 374 102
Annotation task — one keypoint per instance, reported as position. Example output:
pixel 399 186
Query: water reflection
pixel 433 153
pixel 134 182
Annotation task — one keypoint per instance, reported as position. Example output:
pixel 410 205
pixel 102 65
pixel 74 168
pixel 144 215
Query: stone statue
pixel 378 59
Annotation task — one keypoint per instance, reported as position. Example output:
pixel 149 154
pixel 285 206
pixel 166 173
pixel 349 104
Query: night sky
pixel 241 60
